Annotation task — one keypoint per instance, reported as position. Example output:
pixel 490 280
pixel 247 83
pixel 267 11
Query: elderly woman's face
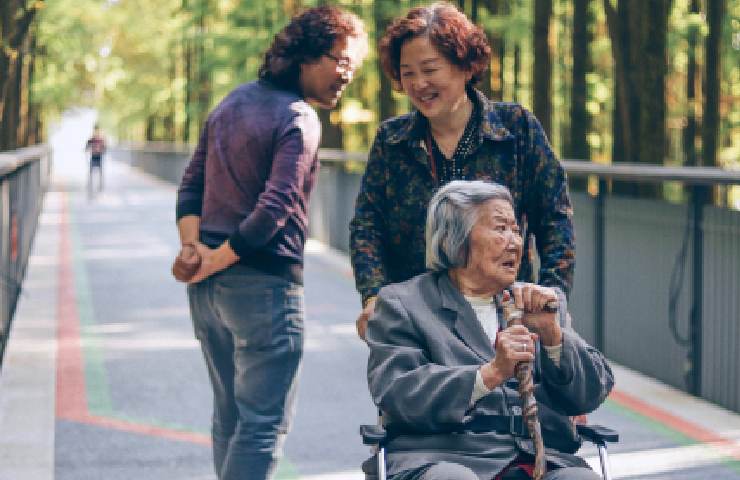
pixel 495 245
pixel 434 85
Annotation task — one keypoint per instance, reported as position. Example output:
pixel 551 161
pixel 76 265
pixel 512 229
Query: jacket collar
pixel 466 325
pixel 490 125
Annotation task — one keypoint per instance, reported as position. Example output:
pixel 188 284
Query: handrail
pixel 617 171
pixel 15 159
pixel 24 177
pixel 653 173
pixel 580 168
pixel 335 155
pixel 157 147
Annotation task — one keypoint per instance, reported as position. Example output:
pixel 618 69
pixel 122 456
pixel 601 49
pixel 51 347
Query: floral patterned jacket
pixel 387 232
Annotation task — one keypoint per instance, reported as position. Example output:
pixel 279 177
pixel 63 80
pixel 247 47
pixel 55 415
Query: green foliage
pixel 154 68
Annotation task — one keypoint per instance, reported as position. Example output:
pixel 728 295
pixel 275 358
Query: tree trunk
pixel 652 71
pixel 12 109
pixel 382 16
pixel 150 128
pixel 580 119
pixel 638 37
pixel 204 75
pixel 542 84
pixel 517 67
pixel 13 35
pixel 621 115
pixel 493 82
pixel 498 53
pixel 7 7
pixel 32 110
pixel 189 96
pixel 580 122
pixel 23 91
pixel 712 86
pixel 689 132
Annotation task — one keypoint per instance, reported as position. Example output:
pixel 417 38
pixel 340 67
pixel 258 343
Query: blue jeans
pixel 250 327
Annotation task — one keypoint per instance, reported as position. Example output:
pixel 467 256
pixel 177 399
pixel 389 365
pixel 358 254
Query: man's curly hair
pixel 307 37
pixel 459 40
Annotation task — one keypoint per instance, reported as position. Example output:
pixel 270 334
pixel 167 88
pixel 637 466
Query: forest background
pixel 643 81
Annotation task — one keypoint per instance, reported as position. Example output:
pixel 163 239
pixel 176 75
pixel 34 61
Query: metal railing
pixel 697 179
pixel 24 178
pixel 657 284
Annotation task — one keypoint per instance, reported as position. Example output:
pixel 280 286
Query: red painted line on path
pixel 143 429
pixel 71 400
pixel 71 392
pixel 690 429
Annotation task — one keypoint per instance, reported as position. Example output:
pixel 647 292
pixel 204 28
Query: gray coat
pixel 426 345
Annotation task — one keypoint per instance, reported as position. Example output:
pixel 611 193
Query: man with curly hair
pixel 242 210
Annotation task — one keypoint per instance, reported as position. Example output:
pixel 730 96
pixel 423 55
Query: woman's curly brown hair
pixel 463 43
pixel 307 37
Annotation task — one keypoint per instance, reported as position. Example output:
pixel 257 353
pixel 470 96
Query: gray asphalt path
pixel 103 378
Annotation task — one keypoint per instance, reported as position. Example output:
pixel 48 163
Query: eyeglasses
pixel 344 64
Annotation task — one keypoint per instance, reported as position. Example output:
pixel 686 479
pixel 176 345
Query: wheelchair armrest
pixel 597 434
pixel 372 434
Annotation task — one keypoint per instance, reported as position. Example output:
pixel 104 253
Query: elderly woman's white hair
pixel 453 211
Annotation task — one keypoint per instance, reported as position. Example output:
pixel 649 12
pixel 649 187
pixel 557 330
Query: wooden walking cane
pixel 523 371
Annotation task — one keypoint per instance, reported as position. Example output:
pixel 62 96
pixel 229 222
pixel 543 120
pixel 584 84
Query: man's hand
pixel 187 263
pixel 213 260
pixel 513 345
pixel 532 299
pixel 365 316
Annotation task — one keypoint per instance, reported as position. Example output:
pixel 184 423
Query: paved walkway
pixel 103 379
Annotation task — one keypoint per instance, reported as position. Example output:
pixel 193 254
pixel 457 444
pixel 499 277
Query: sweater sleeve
pixel 295 154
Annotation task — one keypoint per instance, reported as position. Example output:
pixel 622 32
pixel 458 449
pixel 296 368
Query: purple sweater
pixel 251 176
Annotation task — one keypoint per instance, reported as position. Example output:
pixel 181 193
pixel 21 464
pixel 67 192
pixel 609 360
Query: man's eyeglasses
pixel 344 64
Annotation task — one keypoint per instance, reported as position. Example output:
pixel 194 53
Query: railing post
pixel 5 296
pixel 697 290
pixel 600 268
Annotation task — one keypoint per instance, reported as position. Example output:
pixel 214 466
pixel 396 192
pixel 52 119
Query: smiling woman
pixel 435 55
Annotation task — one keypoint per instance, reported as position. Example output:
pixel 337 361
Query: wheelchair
pixel 376 436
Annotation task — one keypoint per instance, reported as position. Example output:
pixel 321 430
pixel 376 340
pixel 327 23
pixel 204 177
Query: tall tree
pixel 203 75
pixel 712 86
pixel 689 131
pixel 517 71
pixel 383 13
pixel 638 39
pixel 498 50
pixel 493 83
pixel 580 119
pixel 542 85
pixel 15 24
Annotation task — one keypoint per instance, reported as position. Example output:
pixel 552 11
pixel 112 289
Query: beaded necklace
pixel 452 169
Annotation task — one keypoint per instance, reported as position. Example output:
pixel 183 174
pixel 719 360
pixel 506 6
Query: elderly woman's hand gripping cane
pixel 543 304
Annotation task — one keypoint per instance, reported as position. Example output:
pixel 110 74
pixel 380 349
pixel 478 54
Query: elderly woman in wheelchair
pixel 441 365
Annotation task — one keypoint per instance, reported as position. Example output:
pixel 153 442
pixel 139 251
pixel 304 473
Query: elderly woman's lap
pixel 454 471
pixel 438 471
pixel 570 473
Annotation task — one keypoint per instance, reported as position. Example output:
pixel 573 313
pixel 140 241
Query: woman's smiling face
pixel 434 85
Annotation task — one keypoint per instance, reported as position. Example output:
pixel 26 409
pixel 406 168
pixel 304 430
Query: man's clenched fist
pixel 187 263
